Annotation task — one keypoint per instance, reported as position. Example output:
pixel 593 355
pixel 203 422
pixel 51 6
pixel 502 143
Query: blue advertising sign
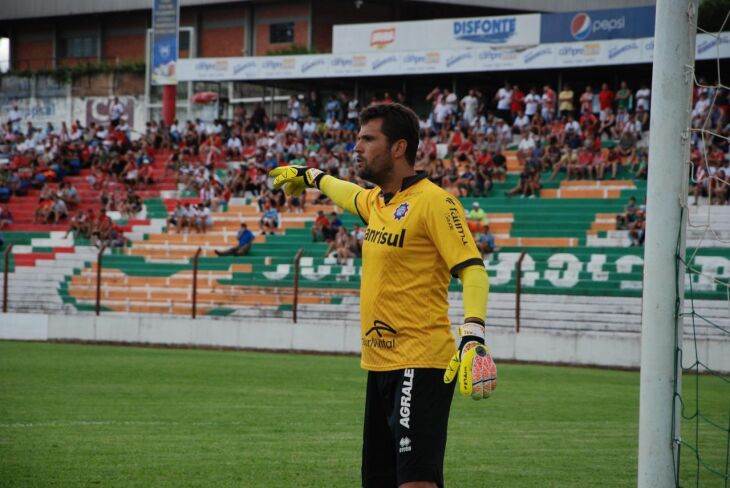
pixel 165 23
pixel 592 25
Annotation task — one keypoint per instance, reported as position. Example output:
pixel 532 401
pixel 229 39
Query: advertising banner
pixel 275 67
pixel 421 62
pixel 165 23
pixel 612 52
pixel 593 25
pixel 472 32
pixel 348 65
pixel 314 66
pixel 458 60
pixel 214 69
pixel 710 46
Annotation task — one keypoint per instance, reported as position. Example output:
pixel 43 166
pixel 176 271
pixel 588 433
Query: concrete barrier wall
pixel 608 349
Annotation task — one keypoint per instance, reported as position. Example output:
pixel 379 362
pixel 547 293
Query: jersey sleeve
pixel 447 228
pixel 363 204
pixel 349 196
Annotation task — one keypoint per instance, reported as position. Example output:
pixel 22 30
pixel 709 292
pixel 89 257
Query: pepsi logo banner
pixel 592 25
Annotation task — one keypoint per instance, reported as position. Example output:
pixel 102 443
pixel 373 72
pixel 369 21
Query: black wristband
pixel 318 178
pixel 470 338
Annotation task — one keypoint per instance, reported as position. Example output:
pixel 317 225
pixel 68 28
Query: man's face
pixel 373 153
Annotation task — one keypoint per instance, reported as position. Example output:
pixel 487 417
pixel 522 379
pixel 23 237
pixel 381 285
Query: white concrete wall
pixel 610 349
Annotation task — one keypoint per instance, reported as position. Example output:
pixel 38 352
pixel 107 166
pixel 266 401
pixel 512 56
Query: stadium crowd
pixel 597 134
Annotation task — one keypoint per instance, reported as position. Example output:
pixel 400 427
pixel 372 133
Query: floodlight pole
pixel 662 304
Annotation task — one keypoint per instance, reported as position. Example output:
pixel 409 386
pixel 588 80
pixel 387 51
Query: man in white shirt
pixel 15 117
pixel 292 127
pixel 440 113
pixel 521 121
pixel 504 101
pixel 116 109
pixel 532 100
pixel 294 108
pixel 309 127
pixel 643 96
pixel 469 105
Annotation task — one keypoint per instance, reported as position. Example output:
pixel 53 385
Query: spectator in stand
pixel 623 97
pixel 6 217
pixel 503 99
pixel 270 220
pixel 470 107
pixel 720 192
pixel 623 220
pixel 321 227
pixel 245 240
pixel 642 155
pixel 294 107
pixel 477 217
pixel 605 100
pixel 643 98
pixel 627 146
pixel 77 225
pixel 637 229
pixel 485 242
pixel 586 100
pixel 608 124
pixel 548 103
pixel 613 161
pixel 642 116
pixel 517 104
pixel 565 100
pixel 116 110
pixel 101 233
pixel 532 102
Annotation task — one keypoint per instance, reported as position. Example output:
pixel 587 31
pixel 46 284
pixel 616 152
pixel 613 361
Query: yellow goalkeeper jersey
pixel 414 242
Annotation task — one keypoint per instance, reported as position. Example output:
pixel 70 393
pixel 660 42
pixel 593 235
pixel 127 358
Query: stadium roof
pixel 24 9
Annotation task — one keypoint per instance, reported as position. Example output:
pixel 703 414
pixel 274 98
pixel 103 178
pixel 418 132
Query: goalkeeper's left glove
pixel 296 179
pixel 473 364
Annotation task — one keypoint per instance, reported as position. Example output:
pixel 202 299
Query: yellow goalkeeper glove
pixel 473 364
pixel 296 179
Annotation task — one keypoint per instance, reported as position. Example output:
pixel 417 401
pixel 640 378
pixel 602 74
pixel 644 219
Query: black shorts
pixel 406 419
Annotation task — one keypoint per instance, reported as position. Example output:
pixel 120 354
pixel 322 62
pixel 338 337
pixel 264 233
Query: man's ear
pixel 398 148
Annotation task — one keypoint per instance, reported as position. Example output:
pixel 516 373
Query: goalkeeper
pixel 417 238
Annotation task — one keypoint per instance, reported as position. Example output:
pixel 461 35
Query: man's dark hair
pixel 399 122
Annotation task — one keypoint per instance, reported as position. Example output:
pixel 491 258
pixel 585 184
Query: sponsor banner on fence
pixel 596 25
pixel 273 67
pixel 422 62
pixel 511 30
pixel 458 60
pixel 613 52
pixel 314 66
pixel 165 23
pixel 348 65
pixel 208 69
pixel 385 64
pixel 710 46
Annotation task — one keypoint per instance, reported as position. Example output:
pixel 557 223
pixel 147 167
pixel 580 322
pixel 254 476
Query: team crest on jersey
pixel 401 211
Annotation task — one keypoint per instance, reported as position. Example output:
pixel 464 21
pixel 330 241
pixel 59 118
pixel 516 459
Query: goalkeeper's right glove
pixel 473 363
pixel 296 179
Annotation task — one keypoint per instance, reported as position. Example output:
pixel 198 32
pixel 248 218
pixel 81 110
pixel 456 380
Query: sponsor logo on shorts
pixel 405 400
pixel 405 444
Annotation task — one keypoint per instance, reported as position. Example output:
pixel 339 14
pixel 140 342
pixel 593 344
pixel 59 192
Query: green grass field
pixel 79 415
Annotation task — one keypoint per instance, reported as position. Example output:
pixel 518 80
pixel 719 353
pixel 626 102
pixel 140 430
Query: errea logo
pixel 405 444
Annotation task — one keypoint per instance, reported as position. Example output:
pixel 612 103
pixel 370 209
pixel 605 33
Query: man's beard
pixel 377 175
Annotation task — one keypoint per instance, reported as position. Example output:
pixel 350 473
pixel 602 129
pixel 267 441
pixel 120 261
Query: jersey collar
pixel 407 182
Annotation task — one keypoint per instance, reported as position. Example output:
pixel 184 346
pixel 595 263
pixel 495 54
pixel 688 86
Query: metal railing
pixel 295 301
pixel 6 263
pixel 518 291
